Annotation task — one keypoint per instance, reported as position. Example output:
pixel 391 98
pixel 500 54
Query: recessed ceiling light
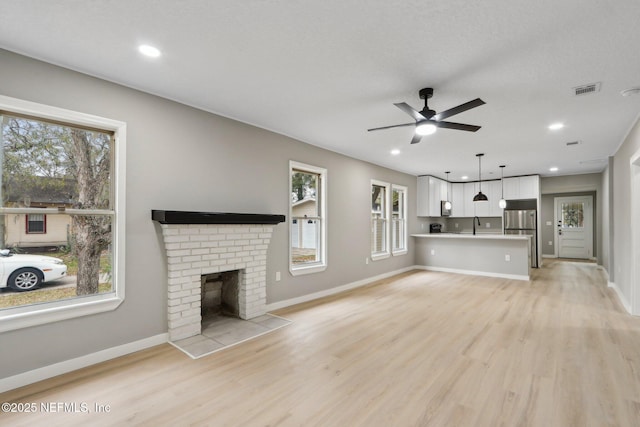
pixel 556 126
pixel 553 169
pixel 395 152
pixel 464 177
pixel 150 51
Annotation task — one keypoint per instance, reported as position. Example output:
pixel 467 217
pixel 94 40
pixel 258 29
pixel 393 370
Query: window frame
pixel 321 195
pixel 405 234
pixel 44 224
pixel 386 252
pixel 44 313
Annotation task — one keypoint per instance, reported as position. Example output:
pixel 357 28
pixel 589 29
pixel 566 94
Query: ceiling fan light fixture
pixel 425 129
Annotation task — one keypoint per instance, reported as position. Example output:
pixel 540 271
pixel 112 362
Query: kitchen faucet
pixel 475 218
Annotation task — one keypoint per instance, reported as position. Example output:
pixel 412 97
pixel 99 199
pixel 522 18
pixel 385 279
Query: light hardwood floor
pixel 420 349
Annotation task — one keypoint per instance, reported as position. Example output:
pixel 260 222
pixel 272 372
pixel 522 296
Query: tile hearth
pixel 220 332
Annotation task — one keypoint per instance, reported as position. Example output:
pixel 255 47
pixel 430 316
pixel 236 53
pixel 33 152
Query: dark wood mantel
pixel 187 217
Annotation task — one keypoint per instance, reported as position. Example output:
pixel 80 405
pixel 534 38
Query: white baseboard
pixel 56 369
pixel 548 256
pixel 475 273
pixel 321 294
pixel 623 300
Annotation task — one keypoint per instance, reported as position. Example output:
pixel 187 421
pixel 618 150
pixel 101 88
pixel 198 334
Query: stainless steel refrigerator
pixel 523 222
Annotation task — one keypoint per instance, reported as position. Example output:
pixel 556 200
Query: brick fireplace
pixel 198 244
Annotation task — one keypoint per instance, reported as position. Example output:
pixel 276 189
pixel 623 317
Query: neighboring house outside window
pixel 58 178
pixel 307 213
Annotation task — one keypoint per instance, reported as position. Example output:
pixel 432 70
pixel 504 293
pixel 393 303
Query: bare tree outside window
pixel 66 172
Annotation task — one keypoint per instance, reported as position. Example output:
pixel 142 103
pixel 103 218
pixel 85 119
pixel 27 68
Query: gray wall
pixel 186 159
pixel 621 257
pixel 573 185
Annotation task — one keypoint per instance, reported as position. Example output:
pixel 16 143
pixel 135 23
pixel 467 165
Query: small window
pixel 307 213
pixel 36 224
pixel 398 220
pixel 379 220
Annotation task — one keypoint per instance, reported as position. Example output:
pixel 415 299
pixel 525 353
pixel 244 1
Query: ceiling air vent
pixel 569 144
pixel 586 89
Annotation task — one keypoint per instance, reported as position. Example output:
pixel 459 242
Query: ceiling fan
pixel 427 121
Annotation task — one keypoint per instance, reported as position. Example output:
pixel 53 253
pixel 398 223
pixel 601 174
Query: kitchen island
pixel 496 255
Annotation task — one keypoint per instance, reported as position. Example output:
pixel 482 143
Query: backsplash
pixel 465 225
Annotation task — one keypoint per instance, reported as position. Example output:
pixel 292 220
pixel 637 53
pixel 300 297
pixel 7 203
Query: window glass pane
pixel 398 219
pixel 52 273
pixel 54 256
pixel 378 219
pixel 306 218
pixel 573 215
pixel 35 223
pixel 52 165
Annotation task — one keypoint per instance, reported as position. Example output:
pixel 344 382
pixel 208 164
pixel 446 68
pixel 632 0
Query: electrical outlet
pixel 550 243
pixel 422 225
pixel 507 257
pixel 488 225
pixel 549 223
pixel 366 260
pixel 456 225
pixel 277 276
pixel 433 251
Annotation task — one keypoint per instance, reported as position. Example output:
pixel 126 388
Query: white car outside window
pixel 26 272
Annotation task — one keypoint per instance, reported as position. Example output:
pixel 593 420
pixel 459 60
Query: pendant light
pixel 480 197
pixel 447 203
pixel 502 203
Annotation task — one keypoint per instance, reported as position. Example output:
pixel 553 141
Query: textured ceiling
pixel 325 71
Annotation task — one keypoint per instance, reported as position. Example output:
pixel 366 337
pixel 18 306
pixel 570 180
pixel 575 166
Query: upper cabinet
pixel 431 192
pixel 522 187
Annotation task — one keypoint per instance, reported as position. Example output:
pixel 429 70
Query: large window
pixel 398 219
pixel 379 220
pixel 307 214
pixel 62 182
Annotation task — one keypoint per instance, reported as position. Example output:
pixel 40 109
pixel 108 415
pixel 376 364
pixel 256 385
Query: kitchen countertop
pixel 471 236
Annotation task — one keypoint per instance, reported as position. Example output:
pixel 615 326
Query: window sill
pixel 402 252
pixel 299 271
pixel 376 257
pixel 27 316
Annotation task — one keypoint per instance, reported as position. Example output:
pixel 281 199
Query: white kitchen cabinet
pixel 435 190
pixel 522 187
pixel 422 199
pixel 512 188
pixel 469 192
pixel 495 192
pixel 457 200
pixel 481 209
pixel 529 187
pixel 431 191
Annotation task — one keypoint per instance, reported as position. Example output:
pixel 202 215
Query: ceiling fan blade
pixel 457 126
pixel 459 109
pixel 416 138
pixel 392 126
pixel 410 111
